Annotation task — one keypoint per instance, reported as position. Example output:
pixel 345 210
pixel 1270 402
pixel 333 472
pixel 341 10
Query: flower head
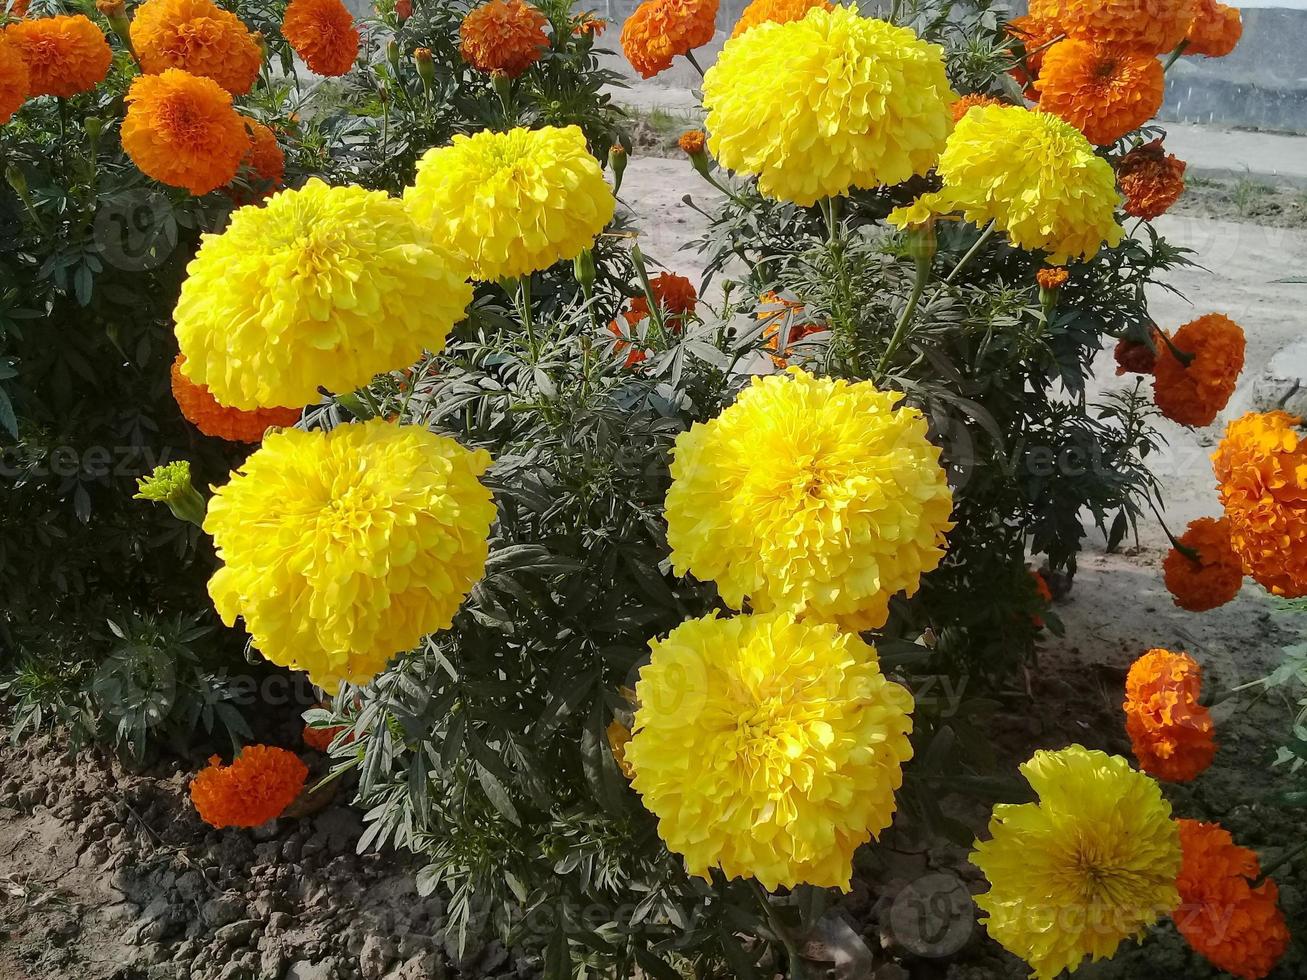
pixel 1261 472
pixel 1170 732
pixel 1148 26
pixel 1136 357
pixel 1092 863
pixel 1102 90
pixel 659 30
pixel 264 165
pixel 1209 577
pixel 65 55
pixel 692 142
pixel 1036 34
pixel 322 32
pixel 809 493
pixel 1215 29
pixel 1035 176
pixel 181 130
pixel 257 787
pixel 515 202
pixel 674 294
pixel 1051 277
pixel 775 12
pixel 167 483
pixel 199 37
pixel 588 25
pixel 1193 393
pixel 821 105
pixel 15 82
pixel 202 410
pixel 321 286
pixel 342 549
pixel 1239 928
pixel 505 36
pixel 768 747
pixel 784 326
pixel 1151 180
pixel 968 102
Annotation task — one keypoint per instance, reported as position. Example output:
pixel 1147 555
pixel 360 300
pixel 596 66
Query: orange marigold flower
pixel 15 83
pixel 775 11
pixel 634 355
pixel 782 315
pixel 674 294
pixel 1044 593
pixel 64 55
pixel 1102 90
pixel 1215 29
pixel 1212 576
pixel 501 36
pixel 403 9
pixel 1035 34
pixel 968 102
pixel 259 784
pixel 18 8
pixel 692 141
pixel 1151 180
pixel 1192 393
pixel 181 130
pixel 1150 26
pixel 322 32
pixel 659 30
pixel 1170 732
pixel 196 36
pixel 589 25
pixel 1237 927
pixel 1134 357
pixel 202 410
pixel 1052 277
pixel 264 165
pixel 1261 473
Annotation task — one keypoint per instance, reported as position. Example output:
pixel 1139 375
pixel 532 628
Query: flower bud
pixel 584 268
pixel 426 68
pixel 170 484
pixel 617 163
pixel 921 243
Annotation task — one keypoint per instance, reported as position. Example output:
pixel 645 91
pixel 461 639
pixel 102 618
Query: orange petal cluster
pixel 505 36
pixel 659 30
pixel 1193 393
pixel 1103 90
pixel 968 102
pixel 1035 34
pixel 196 36
pixel 65 55
pixel 1151 180
pixel 692 141
pixel 1239 928
pixel 675 296
pixel 1149 26
pixel 1213 577
pixel 322 32
pixel 1052 277
pixel 1170 732
pixel 202 410
pixel 775 12
pixel 259 784
pixel 1261 473
pixel 634 355
pixel 264 165
pixel 15 83
pixel 1215 29
pixel 783 315
pixel 1134 357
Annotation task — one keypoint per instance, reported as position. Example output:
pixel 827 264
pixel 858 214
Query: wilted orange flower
pixel 15 84
pixel 199 37
pixel 264 164
pixel 783 315
pixel 674 294
pixel 259 784
pixel 322 32
pixel 1239 928
pixel 1215 29
pixel 64 55
pixel 1149 26
pixel 202 410
pixel 1134 357
pixel 1035 34
pixel 692 141
pixel 659 30
pixel 1213 577
pixel 1151 180
pixel 589 25
pixel 775 11
pixel 1261 473
pixel 1193 393
pixel 505 36
pixel 1052 277
pixel 1103 91
pixel 181 130
pixel 968 102
pixel 1170 732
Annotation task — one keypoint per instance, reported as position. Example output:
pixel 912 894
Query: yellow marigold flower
pixel 1092 863
pixel 1150 26
pixel 514 202
pixel 1103 90
pixel 658 30
pixel 1035 176
pixel 1215 29
pixel 818 106
pixel 342 549
pixel 768 747
pixel 65 55
pixel 321 286
pixel 322 32
pixel 15 83
pixel 196 36
pixel 809 493
pixel 776 12
pixel 501 36
pixel 181 130
pixel 257 787
pixel 1193 392
pixel 1212 575
pixel 1151 180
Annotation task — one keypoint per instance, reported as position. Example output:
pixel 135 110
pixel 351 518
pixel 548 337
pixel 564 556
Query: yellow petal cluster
pixel 1092 863
pixel 1035 176
pixel 512 203
pixel 809 493
pixel 321 286
pixel 342 549
pixel 834 101
pixel 768 747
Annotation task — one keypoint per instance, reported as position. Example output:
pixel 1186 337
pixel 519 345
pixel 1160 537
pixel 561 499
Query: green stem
pixel 1174 56
pixel 655 312
pixel 781 930
pixel 971 252
pixel 842 309
pixel 905 318
pixel 1184 357
pixel 689 56
pixel 1282 860
pixel 524 306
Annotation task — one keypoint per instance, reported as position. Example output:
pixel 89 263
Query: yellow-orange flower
pixel 1052 277
pixel 1102 90
pixel 1261 472
pixel 783 317
pixel 15 83
pixel 259 784
pixel 264 165
pixel 1150 26
pixel 181 130
pixel 1151 180
pixel 659 30
pixel 322 32
pixel 968 102
pixel 202 410
pixel 1215 29
pixel 1193 393
pixel 776 12
pixel 196 36
pixel 1239 928
pixel 1209 578
pixel 1035 34
pixel 506 36
pixel 1170 732
pixel 64 55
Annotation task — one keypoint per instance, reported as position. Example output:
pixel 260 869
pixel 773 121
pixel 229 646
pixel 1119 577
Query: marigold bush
pixel 1170 731
pixel 258 785
pixel 199 37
